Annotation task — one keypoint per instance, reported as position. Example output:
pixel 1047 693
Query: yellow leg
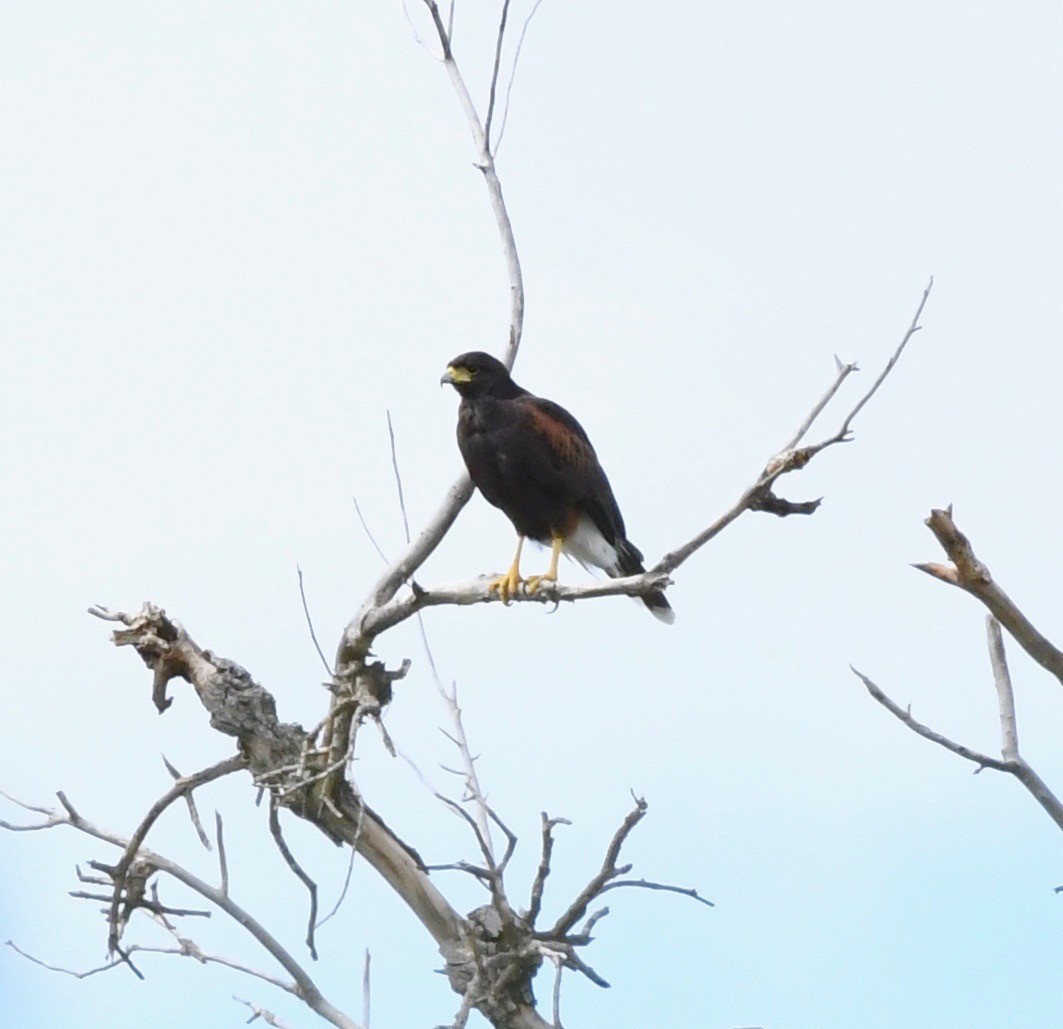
pixel 535 581
pixel 508 584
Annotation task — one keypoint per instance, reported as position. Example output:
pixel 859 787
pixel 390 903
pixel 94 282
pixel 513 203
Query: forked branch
pixel 302 985
pixel 1011 761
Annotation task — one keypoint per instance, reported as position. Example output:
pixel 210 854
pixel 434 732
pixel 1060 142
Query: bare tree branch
pixel 513 74
pixel 905 715
pixel 646 884
pixel 558 969
pixel 375 618
pixel 543 870
pixel 459 493
pixel 343 891
pixel 366 994
pixel 256 1013
pixel 1009 733
pixel 280 756
pixel 1016 766
pixel 788 459
pixel 187 947
pixel 609 870
pixel 223 862
pixel 971 576
pixel 494 74
pixel 309 620
pixel 473 791
pixel 190 802
pixel 182 788
pixel 368 531
pixel 912 330
pixel 64 971
pixel 304 986
pixel 398 478
pixel 289 857
pixel 844 371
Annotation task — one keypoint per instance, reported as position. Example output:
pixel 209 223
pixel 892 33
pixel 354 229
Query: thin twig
pixel 511 839
pixel 513 75
pixel 789 460
pixel 1009 733
pixel 417 35
pixel 576 962
pixel 64 971
pixel 1017 767
pixel 398 479
pixel 609 870
pixel 472 780
pixel 310 622
pixel 256 1013
pixel 912 330
pixel 368 531
pixel 190 801
pixel 365 991
pixel 289 857
pixel 481 840
pixel 843 372
pixel 683 891
pixel 543 870
pixel 494 74
pixel 180 788
pixel 37 810
pixel 481 874
pixel 592 921
pixel 346 886
pixel 186 948
pixel 558 968
pixel 978 758
pixel 223 863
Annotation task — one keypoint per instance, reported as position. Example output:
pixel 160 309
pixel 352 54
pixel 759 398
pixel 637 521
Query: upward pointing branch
pixel 460 491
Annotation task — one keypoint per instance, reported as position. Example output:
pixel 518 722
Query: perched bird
pixel 531 458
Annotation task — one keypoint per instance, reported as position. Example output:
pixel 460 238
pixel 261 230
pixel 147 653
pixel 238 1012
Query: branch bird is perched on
pixel 531 458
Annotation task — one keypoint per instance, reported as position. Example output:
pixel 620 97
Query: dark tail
pixel 629 562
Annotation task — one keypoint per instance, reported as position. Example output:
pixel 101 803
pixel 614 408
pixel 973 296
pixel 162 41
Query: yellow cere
pixel 456 373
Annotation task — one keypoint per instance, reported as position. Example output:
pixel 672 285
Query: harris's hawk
pixel 531 458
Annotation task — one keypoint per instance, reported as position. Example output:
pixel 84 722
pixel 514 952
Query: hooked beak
pixel 454 375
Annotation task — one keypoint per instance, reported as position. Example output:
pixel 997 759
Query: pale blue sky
pixel 235 234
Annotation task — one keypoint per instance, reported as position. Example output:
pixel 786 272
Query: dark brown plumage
pixel 531 459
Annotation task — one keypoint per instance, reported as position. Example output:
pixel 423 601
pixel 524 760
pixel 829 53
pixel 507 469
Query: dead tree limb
pixel 281 757
pixel 302 984
pixel 972 576
pixel 1011 761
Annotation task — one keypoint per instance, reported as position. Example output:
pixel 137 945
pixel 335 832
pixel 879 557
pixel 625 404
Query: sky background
pixel 235 235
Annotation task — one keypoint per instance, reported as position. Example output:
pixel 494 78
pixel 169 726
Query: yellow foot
pixel 533 582
pixel 507 585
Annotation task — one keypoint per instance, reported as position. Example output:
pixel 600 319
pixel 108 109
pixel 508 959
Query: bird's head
pixel 477 374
